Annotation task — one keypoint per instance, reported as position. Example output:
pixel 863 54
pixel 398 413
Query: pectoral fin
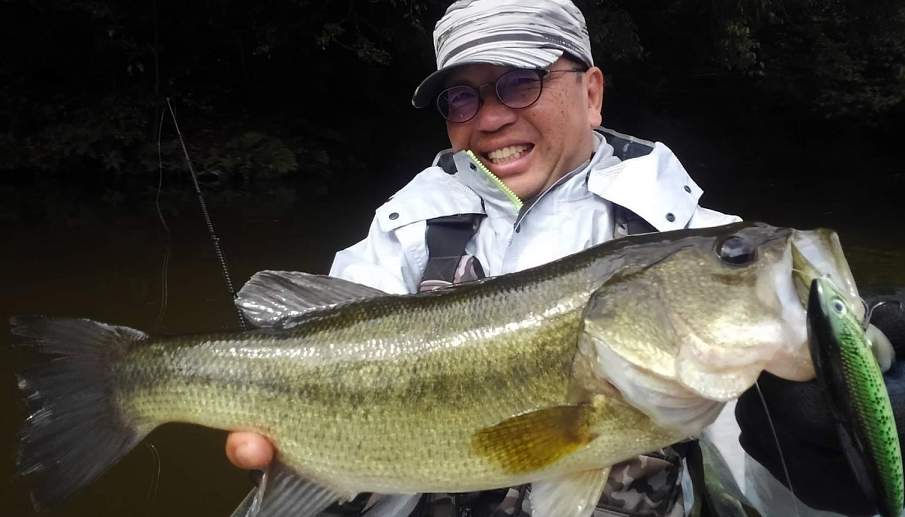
pixel 575 495
pixel 283 492
pixel 534 440
pixel 245 505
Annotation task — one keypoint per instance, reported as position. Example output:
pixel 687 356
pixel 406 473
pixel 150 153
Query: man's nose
pixel 493 114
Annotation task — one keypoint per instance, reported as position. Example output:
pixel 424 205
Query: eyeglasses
pixel 515 89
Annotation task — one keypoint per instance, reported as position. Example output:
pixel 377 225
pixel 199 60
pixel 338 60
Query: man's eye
pixel 460 99
pixel 525 82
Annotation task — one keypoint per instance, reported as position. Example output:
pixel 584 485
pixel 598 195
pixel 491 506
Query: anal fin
pixel 534 440
pixel 283 492
pixel 573 495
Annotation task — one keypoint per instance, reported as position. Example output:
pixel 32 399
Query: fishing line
pixel 869 310
pixel 224 269
pixel 155 479
pixel 166 255
pixel 782 457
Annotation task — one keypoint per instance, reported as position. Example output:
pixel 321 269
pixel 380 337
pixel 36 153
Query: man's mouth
pixel 508 154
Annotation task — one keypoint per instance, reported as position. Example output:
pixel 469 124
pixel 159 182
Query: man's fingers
pixel 248 450
pixel 883 351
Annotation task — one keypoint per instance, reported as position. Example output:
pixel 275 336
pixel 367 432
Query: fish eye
pixel 736 251
pixel 839 307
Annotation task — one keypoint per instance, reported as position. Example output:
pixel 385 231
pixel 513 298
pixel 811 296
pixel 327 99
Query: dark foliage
pixel 313 88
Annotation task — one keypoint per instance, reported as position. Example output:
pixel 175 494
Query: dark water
pixel 94 262
pixel 66 251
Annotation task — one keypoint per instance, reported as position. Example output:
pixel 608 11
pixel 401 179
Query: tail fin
pixel 74 431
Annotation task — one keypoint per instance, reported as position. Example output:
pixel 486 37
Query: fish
pixel 547 376
pixel 855 392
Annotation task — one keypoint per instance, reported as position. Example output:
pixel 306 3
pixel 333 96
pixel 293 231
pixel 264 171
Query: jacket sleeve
pixel 382 260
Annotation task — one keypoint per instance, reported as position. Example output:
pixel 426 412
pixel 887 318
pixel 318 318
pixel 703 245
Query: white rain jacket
pixel 574 214
pixel 571 216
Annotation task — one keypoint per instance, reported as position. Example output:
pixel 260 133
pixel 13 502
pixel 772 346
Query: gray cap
pixel 516 33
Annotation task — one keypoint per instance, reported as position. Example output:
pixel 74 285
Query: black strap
pixel 447 162
pixel 447 237
pixel 446 240
pixel 630 223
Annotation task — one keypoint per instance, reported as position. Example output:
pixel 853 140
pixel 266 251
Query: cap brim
pixel 431 86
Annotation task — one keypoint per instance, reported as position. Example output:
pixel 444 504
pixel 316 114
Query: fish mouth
pixel 817 254
pixel 814 254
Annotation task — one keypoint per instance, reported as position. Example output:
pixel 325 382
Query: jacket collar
pixel 571 186
pixel 645 177
pixel 655 186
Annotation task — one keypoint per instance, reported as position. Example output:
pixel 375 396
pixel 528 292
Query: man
pixel 517 86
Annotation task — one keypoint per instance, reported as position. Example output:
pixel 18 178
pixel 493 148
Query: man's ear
pixel 595 85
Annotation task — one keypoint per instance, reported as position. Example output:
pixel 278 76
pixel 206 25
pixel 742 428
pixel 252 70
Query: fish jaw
pixel 791 360
pixel 816 254
pixel 666 402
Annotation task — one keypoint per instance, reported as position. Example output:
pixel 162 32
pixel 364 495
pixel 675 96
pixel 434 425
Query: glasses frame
pixel 542 73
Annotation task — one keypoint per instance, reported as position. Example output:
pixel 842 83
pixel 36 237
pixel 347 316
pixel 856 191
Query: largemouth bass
pixel 547 376
pixel 857 396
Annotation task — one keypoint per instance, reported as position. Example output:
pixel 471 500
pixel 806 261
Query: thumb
pixel 249 450
pixel 882 349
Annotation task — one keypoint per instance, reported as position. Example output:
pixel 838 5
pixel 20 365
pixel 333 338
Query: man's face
pixel 544 141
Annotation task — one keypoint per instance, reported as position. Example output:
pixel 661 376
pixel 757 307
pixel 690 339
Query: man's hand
pixel 249 450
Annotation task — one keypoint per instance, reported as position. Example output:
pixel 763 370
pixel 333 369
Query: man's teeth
pixel 507 154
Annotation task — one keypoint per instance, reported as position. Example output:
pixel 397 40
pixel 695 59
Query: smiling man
pixel 529 168
pixel 530 178
pixel 528 149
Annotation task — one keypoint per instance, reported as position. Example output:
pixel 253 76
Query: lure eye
pixel 736 251
pixel 839 307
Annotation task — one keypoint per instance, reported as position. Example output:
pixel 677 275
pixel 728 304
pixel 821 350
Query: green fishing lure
pixel 857 396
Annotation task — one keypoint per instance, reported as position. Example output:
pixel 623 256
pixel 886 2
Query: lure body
pixel 857 394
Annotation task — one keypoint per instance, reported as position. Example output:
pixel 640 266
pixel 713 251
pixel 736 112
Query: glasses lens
pixel 458 104
pixel 519 88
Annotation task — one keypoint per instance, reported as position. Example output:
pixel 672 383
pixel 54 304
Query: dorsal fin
pixel 270 298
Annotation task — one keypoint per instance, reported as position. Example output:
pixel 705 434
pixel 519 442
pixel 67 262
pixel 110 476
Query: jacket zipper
pixel 499 183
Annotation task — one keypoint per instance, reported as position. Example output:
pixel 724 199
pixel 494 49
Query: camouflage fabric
pixel 469 269
pixel 649 485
